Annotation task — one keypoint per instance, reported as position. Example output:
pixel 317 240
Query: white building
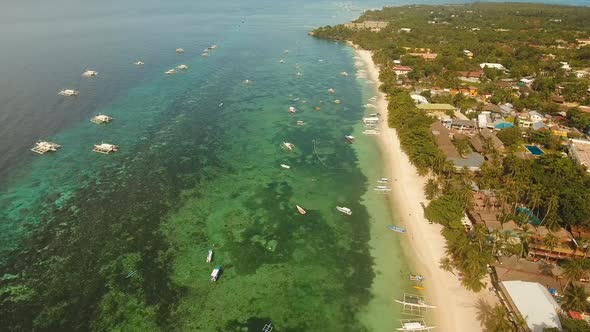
pixel 492 65
pixel 580 152
pixel 534 304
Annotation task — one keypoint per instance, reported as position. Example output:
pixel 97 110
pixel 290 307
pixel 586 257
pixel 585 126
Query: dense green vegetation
pixel 530 40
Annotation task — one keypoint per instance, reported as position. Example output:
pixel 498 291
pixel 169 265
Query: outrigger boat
pixel 42 146
pixel 344 73
pixel 285 166
pixel 349 139
pixel 170 72
pixel 344 210
pixel 371 132
pixel 215 273
pixel 101 118
pixel 300 209
pixel 414 325
pixel 281 61
pixel 331 90
pixel 382 188
pixel 415 301
pixel 418 287
pixel 139 63
pixel 180 50
pixel 90 73
pixel 287 146
pixel 292 110
pixel 397 228
pixel 68 93
pixel 183 67
pixel 210 256
pixel 105 148
pixel 300 123
pixel 383 180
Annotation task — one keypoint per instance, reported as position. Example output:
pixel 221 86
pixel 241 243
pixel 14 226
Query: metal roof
pixel 535 304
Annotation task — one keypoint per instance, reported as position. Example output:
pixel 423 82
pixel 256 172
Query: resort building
pixel 580 151
pixel 533 303
pixel 565 248
pixel 492 65
pixel 401 70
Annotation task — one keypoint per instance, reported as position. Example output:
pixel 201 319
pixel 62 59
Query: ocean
pixel 118 242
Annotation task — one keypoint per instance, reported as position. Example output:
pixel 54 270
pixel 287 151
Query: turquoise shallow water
pixel 101 242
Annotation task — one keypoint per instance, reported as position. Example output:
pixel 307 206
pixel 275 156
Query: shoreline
pixel 456 306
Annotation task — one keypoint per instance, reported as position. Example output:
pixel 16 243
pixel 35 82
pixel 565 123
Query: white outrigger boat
pixel 330 90
pixel 371 132
pixel 42 146
pixel 180 50
pixel 349 139
pixel 205 53
pixel 68 93
pixel 105 148
pixel 292 110
pixel 383 180
pixel 101 118
pixel 215 274
pixel 285 166
pixel 344 73
pixel 300 209
pixel 382 189
pixel 183 67
pixel 281 61
pixel 139 63
pixel 90 73
pixel 210 256
pixel 414 325
pixel 300 123
pixel 288 146
pixel 170 72
pixel 416 277
pixel 344 210
pixel 414 304
pixel 212 47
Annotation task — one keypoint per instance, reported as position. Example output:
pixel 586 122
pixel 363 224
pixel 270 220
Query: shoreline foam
pixel 456 306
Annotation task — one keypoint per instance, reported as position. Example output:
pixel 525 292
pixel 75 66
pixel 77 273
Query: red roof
pixel 575 315
pixel 402 68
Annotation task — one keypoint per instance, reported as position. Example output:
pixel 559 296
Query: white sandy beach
pixel 456 306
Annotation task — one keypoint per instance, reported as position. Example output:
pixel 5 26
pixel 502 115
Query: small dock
pixel 105 148
pixel 42 147
pixel 101 118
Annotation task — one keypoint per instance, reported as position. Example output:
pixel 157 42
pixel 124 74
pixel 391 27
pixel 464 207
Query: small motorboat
pixel 344 210
pixel 287 146
pixel 397 228
pixel 90 73
pixel 330 90
pixel 383 180
pixel 300 123
pixel 139 63
pixel 183 67
pixel 416 277
pixel 292 110
pixel 349 139
pixel 180 50
pixel 215 274
pixel 210 256
pixel 170 72
pixel 300 209
pixel 285 166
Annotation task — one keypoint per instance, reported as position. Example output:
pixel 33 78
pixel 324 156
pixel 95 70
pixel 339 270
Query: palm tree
pixel 498 320
pixel 447 264
pixel 431 188
pixel 575 298
pixel 573 270
pixel 552 204
pixel 550 242
pixel 525 236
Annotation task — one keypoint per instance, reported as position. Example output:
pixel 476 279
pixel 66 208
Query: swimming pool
pixel 534 150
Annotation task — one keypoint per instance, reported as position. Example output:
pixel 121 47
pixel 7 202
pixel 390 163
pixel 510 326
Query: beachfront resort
pixel 491 104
